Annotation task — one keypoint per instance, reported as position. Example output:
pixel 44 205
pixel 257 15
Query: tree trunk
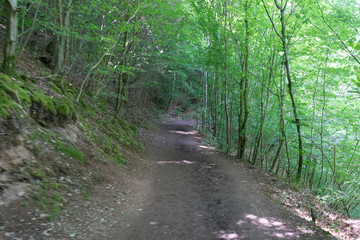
pixel 11 36
pixel 244 108
pixel 63 37
pixel 264 109
pixel 226 108
pixel 291 92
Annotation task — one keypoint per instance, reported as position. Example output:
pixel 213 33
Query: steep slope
pixel 54 151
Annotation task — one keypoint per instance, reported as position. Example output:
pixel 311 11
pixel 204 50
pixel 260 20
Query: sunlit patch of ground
pixel 184 132
pixel 303 214
pixel 206 147
pixel 228 235
pixel 185 162
pixel 274 227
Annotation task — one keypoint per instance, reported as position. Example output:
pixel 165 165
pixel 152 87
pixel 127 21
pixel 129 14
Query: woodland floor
pixel 181 189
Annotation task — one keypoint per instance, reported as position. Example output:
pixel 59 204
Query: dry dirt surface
pixel 179 189
pixel 194 192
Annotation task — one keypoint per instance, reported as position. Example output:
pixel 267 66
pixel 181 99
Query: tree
pixel 62 38
pixel 11 36
pixel 284 39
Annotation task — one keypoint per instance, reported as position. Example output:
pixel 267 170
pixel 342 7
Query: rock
pixel 21 194
pixel 4 178
pixel 68 134
pixel 9 234
pixel 43 215
pixel 46 233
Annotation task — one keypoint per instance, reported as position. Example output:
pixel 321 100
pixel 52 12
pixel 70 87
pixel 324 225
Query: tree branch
pixel 271 20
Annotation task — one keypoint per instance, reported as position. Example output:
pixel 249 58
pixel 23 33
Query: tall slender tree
pixel 11 35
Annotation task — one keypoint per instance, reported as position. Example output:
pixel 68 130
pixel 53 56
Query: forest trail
pixel 195 192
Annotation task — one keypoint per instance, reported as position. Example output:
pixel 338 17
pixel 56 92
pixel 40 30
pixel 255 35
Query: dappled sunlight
pixel 183 162
pixel 278 228
pixel 228 235
pixel 206 147
pixel 355 223
pixel 304 230
pixel 303 214
pixel 184 132
pixel 354 226
pixel 264 222
pixel 207 166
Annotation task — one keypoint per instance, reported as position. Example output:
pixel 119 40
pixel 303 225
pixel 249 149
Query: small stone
pixel 9 234
pixel 46 233
pixel 4 178
pixel 43 215
pixel 21 194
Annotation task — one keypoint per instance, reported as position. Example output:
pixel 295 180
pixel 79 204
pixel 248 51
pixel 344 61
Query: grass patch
pixel 71 150
pixel 85 194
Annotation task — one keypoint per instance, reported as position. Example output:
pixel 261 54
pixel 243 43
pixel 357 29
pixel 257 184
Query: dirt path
pixel 195 193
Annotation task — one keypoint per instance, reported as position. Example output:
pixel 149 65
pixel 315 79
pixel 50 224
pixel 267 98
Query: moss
pixel 56 88
pixel 6 104
pixel 65 107
pixel 64 86
pixel 12 96
pixel 45 101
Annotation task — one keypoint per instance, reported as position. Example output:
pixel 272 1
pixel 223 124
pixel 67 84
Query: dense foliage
pixel 275 82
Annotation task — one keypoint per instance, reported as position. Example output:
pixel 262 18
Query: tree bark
pixel 291 92
pixel 264 109
pixel 62 38
pixel 244 107
pixel 227 127
pixel 9 62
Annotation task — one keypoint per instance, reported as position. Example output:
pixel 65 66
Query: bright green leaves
pixel 357 74
pixel 354 45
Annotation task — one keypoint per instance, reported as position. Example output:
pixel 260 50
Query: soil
pixel 180 189
pixel 195 192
